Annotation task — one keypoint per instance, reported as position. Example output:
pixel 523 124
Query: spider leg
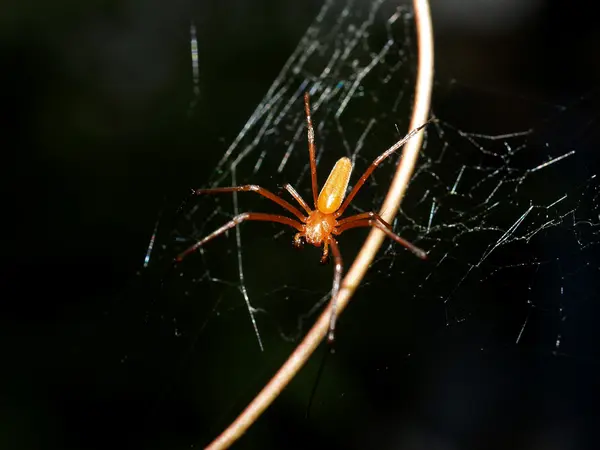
pixel 260 191
pixel 367 215
pixel 298 198
pixel 337 279
pixel 325 255
pixel 372 219
pixel 374 165
pixel 311 148
pixel 236 221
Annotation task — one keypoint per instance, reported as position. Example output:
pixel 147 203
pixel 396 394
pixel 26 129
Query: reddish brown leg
pixel 337 279
pixel 298 198
pixel 237 220
pixel 260 191
pixel 374 165
pixel 325 255
pixel 367 215
pixel 372 219
pixel 311 148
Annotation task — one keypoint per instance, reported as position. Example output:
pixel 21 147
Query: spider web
pixel 508 216
pixel 361 47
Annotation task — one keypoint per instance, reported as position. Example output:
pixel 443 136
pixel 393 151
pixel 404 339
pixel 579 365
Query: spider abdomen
pixel 334 190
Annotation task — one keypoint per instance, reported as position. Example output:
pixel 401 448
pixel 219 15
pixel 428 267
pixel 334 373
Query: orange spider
pixel 321 223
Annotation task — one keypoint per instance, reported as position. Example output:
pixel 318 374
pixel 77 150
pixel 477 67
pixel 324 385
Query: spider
pixel 319 225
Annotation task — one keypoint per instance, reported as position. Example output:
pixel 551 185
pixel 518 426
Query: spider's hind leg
pixel 325 256
pixel 337 279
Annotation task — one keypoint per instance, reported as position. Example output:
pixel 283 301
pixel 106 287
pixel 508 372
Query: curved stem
pixel 367 253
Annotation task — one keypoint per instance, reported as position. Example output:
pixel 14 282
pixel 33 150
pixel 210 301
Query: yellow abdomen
pixel 334 190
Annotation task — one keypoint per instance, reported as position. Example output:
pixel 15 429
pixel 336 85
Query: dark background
pixel 97 141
